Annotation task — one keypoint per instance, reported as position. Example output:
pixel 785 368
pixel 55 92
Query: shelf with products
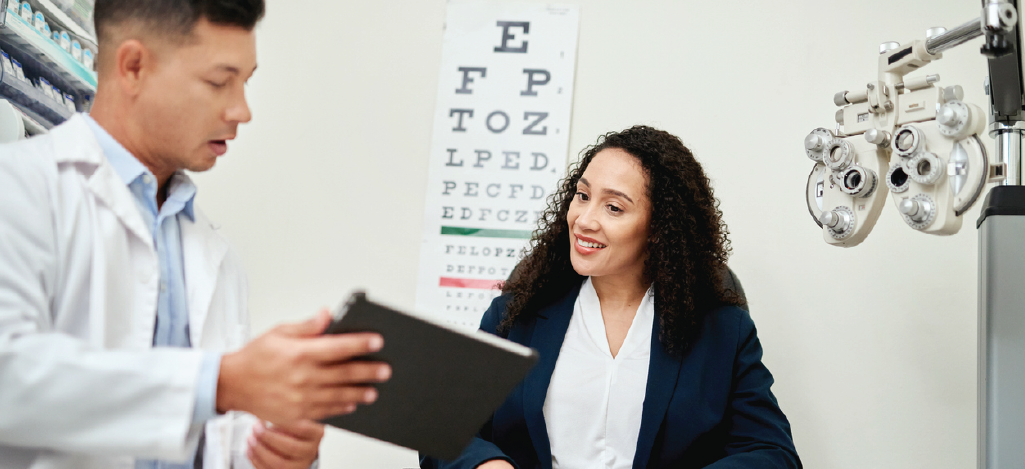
pixel 50 83
pixel 32 100
pixel 59 17
pixel 39 51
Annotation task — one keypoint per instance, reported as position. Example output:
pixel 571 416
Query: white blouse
pixel 594 402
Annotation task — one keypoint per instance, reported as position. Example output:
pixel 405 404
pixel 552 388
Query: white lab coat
pixel 80 384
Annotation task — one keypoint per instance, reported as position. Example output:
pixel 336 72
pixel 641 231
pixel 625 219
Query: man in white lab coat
pixel 123 320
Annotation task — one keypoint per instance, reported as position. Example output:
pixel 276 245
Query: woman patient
pixel 646 360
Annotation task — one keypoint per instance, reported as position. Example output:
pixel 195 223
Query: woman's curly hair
pixel 687 244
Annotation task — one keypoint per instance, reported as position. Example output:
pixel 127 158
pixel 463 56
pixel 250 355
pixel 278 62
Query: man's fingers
pixel 262 457
pixel 310 327
pixel 305 430
pixel 252 460
pixel 257 463
pixel 284 445
pixel 354 372
pixel 342 400
pixel 338 409
pixel 341 347
pixel 343 395
pixel 257 459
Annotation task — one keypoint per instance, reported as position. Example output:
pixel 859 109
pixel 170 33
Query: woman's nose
pixel 587 219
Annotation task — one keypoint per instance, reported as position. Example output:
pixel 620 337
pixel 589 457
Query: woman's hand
pixel 496 464
pixel 292 446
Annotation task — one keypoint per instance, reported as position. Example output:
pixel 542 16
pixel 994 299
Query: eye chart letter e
pixel 499 148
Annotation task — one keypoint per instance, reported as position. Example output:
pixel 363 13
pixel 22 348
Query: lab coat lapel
pixel 74 143
pixel 203 251
pixel 663 374
pixel 108 188
pixel 549 334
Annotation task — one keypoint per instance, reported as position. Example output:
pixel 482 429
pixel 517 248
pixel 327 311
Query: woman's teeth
pixel 590 245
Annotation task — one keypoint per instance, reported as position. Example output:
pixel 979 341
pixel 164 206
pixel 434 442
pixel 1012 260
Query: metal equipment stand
pixel 1001 381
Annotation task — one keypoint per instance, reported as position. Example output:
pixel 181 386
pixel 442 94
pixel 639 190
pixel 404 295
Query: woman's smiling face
pixel 610 216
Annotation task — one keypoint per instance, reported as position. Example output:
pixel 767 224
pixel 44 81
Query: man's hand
pixel 289 446
pixel 294 373
pixel 495 464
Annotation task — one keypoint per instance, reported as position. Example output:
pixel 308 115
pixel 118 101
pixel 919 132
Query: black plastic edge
pixel 1003 200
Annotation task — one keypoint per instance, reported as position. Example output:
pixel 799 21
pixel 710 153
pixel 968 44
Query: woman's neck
pixel 617 293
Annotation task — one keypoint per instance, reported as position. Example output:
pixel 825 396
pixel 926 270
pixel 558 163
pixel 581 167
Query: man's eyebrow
pixel 231 69
pixel 228 68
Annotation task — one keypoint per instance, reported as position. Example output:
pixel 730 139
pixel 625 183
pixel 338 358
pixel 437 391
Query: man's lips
pixel 219 147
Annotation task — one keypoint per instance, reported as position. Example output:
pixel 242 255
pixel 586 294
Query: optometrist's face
pixel 609 217
pixel 195 99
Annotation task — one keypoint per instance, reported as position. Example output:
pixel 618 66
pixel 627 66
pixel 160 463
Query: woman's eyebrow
pixel 618 193
pixel 609 191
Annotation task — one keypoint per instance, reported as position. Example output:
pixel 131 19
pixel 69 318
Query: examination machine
pixel 907 138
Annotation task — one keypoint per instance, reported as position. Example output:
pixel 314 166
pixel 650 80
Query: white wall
pixel 873 348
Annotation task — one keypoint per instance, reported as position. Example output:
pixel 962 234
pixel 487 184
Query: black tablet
pixel 445 382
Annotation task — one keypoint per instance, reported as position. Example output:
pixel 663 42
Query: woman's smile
pixel 587 246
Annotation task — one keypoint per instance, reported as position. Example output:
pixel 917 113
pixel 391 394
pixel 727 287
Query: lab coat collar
pixel 125 164
pixel 75 144
pixel 203 251
pixel 181 188
pixel 203 247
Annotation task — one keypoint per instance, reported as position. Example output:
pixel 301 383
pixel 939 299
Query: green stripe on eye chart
pixel 485 233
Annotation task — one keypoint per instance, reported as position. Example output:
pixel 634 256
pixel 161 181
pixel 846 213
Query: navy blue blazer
pixel 711 408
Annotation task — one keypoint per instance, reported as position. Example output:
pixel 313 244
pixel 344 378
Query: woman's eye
pixel 615 209
pixel 582 196
pixel 217 85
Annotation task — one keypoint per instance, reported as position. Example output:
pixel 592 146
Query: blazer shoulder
pixel 728 321
pixel 495 314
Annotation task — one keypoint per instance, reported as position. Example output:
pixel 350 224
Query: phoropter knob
pixel 916 210
pixel 816 143
pixel 877 137
pixel 838 221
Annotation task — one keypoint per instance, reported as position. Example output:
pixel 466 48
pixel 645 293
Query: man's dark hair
pixel 175 18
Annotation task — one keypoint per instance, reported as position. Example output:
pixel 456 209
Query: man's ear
pixel 134 62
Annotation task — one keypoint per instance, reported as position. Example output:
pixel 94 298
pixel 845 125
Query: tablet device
pixel 445 384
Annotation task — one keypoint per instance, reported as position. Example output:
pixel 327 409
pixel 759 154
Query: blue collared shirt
pixel 172 325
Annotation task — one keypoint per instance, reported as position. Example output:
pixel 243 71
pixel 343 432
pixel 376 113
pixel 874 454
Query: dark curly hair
pixel 687 246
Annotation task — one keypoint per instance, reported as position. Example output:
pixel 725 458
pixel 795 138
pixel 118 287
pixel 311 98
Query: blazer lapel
pixel 549 334
pixel 663 373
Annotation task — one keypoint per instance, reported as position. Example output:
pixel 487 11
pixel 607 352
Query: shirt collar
pixel 182 190
pixel 130 169
pixel 638 337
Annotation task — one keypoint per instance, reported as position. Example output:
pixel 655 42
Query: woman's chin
pixel 582 267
